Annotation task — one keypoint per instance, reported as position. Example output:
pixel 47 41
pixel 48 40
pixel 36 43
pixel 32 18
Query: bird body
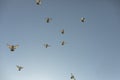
pixel 72 77
pixel 48 20
pixel 62 43
pixel 46 45
pixel 62 31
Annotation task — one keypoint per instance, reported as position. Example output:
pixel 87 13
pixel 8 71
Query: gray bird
pixel 38 2
pixel 72 77
pixel 19 67
pixel 62 31
pixel 46 45
pixel 82 19
pixel 48 20
pixel 62 43
pixel 12 47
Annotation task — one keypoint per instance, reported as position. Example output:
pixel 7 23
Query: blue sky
pixel 92 49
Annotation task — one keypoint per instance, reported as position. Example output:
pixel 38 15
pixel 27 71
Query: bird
pixel 62 43
pixel 46 45
pixel 82 19
pixel 12 47
pixel 62 31
pixel 38 2
pixel 72 77
pixel 48 20
pixel 19 67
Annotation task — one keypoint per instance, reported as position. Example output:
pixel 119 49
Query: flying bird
pixel 46 45
pixel 19 67
pixel 12 47
pixel 38 2
pixel 82 19
pixel 62 43
pixel 62 31
pixel 48 20
pixel 72 77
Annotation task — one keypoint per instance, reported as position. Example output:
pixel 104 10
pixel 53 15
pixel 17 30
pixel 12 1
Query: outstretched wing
pixel 16 46
pixel 21 67
pixel 9 46
pixel 17 66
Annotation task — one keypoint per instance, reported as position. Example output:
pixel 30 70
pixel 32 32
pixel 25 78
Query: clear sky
pixel 91 50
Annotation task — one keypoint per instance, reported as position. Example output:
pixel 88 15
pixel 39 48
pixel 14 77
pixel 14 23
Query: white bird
pixel 38 2
pixel 12 47
pixel 82 19
pixel 19 67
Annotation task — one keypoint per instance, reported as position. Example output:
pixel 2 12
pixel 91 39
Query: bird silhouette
pixel 72 77
pixel 48 20
pixel 46 45
pixel 38 2
pixel 19 67
pixel 62 31
pixel 82 19
pixel 12 47
pixel 62 43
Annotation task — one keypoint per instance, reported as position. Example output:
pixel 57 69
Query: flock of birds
pixel 13 47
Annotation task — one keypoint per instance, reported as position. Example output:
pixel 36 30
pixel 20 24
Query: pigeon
pixel 38 2
pixel 46 45
pixel 48 20
pixel 82 19
pixel 62 43
pixel 19 67
pixel 72 77
pixel 12 47
pixel 62 31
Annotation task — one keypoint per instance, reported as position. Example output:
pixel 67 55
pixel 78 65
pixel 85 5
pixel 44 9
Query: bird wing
pixel 21 67
pixel 9 46
pixel 17 66
pixel 16 46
